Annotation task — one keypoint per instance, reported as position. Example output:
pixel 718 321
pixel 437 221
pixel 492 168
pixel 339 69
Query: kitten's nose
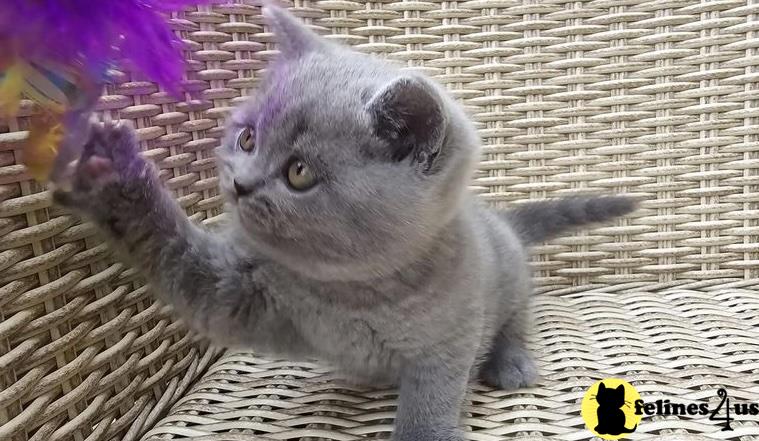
pixel 242 190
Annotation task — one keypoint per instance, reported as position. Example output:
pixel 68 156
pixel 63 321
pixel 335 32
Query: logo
pixel 612 409
pixel 723 411
pixel 608 409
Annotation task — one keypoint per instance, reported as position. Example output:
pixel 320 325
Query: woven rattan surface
pixel 654 98
pixel 679 344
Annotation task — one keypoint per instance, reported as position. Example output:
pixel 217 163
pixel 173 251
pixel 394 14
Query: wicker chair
pixel 653 98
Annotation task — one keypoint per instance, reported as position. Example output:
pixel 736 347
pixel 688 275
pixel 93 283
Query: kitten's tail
pixel 537 221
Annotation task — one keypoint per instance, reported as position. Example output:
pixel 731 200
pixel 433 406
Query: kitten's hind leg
pixel 509 365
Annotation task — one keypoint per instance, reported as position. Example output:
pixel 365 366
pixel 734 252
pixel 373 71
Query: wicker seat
pixel 657 99
pixel 683 343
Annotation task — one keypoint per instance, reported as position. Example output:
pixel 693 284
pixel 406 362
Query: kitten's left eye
pixel 246 141
pixel 299 175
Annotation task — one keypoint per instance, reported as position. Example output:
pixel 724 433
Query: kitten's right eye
pixel 246 140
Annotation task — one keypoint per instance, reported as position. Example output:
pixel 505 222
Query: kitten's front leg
pixel 213 285
pixel 431 392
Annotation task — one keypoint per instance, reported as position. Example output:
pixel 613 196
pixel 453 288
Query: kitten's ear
pixel 409 115
pixel 621 388
pixel 293 37
pixel 601 386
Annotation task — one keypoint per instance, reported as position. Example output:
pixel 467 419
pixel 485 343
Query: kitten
pixel 353 237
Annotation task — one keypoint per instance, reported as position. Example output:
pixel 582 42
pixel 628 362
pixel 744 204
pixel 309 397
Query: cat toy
pixel 61 54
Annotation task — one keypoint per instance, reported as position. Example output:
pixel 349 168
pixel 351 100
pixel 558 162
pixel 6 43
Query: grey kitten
pixel 353 237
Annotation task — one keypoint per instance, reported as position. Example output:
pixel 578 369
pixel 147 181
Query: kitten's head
pixel 610 397
pixel 341 166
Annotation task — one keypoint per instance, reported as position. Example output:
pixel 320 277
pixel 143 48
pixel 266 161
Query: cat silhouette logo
pixel 608 409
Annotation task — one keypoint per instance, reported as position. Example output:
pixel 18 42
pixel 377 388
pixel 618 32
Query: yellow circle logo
pixel 608 409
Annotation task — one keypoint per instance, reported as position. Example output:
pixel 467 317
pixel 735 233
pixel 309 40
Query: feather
pixel 45 134
pixel 58 53
pixel 132 33
pixel 11 87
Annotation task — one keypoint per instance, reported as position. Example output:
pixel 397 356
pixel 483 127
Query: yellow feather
pixel 11 86
pixel 41 148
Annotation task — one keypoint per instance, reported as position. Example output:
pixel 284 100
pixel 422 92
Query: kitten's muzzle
pixel 243 190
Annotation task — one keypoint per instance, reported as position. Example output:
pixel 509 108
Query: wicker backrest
pixel 657 99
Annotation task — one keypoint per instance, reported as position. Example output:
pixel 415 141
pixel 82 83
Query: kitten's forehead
pixel 315 104
pixel 334 79
pixel 310 96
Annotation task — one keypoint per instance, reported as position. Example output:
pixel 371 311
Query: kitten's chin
pixel 322 267
pixel 319 267
pixel 330 259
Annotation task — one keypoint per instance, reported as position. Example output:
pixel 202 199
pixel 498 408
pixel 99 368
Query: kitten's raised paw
pixel 116 143
pixel 510 368
pixel 110 167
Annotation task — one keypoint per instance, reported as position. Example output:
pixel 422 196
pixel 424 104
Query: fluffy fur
pixel 387 268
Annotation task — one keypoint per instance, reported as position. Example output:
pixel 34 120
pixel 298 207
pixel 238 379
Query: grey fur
pixel 388 268
pixel 541 220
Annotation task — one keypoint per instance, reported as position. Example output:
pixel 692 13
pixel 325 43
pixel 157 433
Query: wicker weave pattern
pixel 679 344
pixel 85 352
pixel 652 98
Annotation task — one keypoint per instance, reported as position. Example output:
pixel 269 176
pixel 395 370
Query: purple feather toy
pixel 58 53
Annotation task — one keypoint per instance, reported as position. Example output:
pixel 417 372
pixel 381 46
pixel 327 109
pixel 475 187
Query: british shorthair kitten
pixel 353 236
